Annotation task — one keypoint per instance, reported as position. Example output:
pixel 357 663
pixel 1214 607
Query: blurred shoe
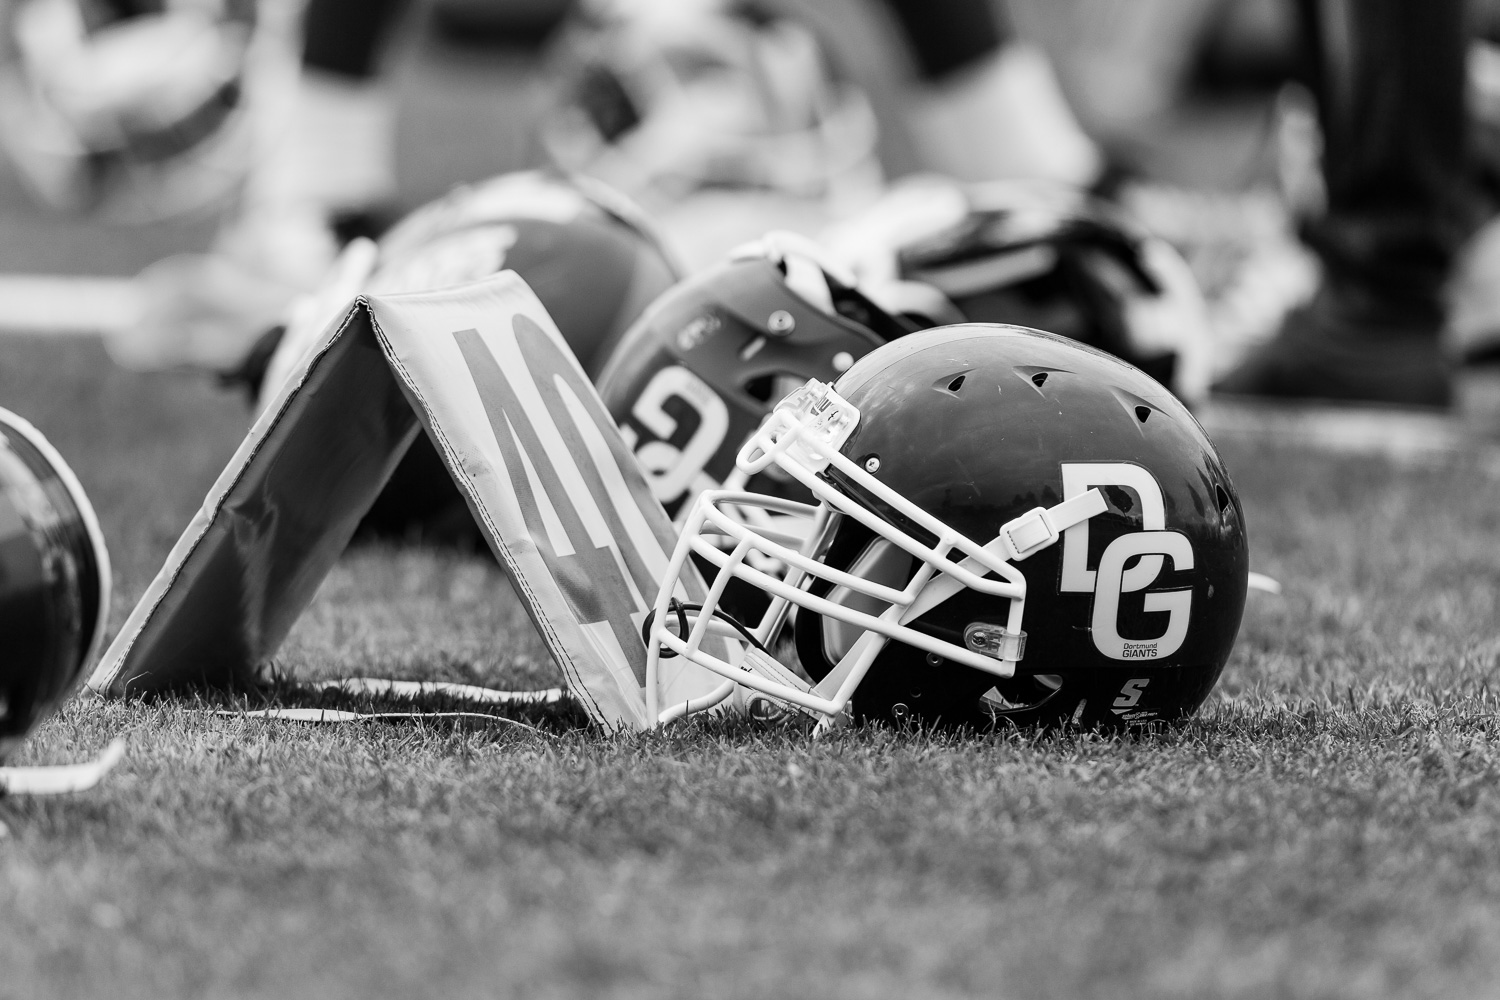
pixel 1330 351
pixel 1476 386
pixel 1243 251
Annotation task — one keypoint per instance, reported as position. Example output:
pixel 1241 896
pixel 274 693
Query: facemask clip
pixel 995 641
pixel 810 425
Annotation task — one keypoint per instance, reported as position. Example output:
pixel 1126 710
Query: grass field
pixel 1328 826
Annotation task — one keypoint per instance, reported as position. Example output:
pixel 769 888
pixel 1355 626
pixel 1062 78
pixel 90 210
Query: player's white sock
pixel 336 150
pixel 1006 118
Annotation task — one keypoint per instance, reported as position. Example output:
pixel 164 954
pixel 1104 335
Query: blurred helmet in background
pixel 1011 528
pixel 722 102
pixel 691 380
pixel 54 581
pixel 1042 256
pixel 136 118
pixel 588 253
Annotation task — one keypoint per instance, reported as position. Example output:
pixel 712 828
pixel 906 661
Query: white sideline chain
pixel 60 779
pixel 404 689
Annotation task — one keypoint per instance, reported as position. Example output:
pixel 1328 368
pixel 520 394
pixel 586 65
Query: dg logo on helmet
pixel 1111 579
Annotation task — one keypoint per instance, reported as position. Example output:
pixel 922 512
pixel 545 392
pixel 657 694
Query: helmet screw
pixel 843 361
pixel 899 710
pixel 872 464
pixel 781 323
pixel 934 660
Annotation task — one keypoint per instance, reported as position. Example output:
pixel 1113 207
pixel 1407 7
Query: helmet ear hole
pixel 852 547
pixel 880 562
pixel 1017 694
pixel 773 386
pixel 760 387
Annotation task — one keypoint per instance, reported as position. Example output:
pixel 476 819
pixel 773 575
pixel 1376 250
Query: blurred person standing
pixel 1390 84
pixel 987 105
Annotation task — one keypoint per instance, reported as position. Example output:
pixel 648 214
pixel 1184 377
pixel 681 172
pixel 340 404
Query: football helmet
pixel 665 97
pixel 1046 256
pixel 1010 526
pixel 135 118
pixel 587 252
pixel 561 234
pixel 54 581
pixel 696 374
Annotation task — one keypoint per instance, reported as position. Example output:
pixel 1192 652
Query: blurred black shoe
pixel 1328 350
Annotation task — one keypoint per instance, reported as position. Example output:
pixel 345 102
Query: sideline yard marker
pixel 484 372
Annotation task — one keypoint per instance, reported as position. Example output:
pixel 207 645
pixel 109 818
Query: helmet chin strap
pixel 1017 539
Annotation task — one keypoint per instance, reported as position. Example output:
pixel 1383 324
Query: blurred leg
pixel 1390 82
pixel 337 152
pixel 1391 98
pixel 988 106
pixel 344 37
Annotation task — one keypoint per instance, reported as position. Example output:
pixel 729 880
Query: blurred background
pixel 1185 113
pixel 1181 89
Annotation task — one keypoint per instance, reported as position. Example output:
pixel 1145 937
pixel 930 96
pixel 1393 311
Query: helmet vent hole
pixel 1142 412
pixel 1222 495
pixel 951 382
pixel 1037 376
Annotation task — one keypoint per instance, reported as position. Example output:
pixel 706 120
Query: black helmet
pixel 54 580
pixel 1043 256
pixel 1010 526
pixel 700 370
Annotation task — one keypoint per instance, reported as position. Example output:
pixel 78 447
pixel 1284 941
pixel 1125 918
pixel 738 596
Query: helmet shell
pixel 54 581
pixel 700 370
pixel 1046 257
pixel 978 424
pixel 562 235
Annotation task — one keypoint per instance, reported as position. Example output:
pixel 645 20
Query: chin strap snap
pixel 1052 522
pixel 1040 527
